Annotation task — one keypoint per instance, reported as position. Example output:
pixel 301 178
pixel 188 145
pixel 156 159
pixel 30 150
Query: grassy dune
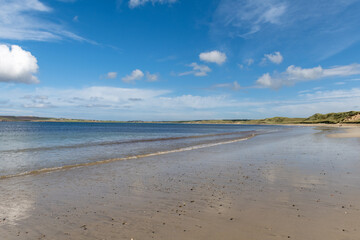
pixel 342 117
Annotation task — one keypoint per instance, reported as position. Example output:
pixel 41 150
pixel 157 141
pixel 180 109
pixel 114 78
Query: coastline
pixel 261 188
pixel 187 122
pixel 346 118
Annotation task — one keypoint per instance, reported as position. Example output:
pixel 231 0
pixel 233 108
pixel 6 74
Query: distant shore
pixel 330 119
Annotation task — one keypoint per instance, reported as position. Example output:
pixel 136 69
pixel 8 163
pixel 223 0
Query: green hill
pixel 342 117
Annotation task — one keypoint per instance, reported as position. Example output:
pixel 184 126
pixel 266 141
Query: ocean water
pixel 31 146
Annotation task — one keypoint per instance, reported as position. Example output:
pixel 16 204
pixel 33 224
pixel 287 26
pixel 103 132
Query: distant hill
pixel 342 117
pixel 22 118
pixel 330 118
pixel 42 119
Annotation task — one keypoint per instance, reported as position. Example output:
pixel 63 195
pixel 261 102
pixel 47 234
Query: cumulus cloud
pixel 198 70
pixel 17 65
pixel 265 80
pixel 152 77
pixel 295 74
pixel 137 74
pixel 138 3
pixel 275 57
pixel 111 75
pixel 22 20
pixel 213 56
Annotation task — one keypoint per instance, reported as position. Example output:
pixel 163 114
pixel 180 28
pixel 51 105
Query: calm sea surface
pixel 28 146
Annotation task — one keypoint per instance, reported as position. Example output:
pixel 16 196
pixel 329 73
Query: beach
pixel 300 183
pixel 348 132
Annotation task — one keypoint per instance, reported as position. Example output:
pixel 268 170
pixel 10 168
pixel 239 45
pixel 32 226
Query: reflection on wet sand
pixel 295 184
pixel 14 209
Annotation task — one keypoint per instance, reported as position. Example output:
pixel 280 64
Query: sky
pixel 179 59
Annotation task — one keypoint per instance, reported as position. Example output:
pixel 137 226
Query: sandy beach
pixel 348 132
pixel 297 184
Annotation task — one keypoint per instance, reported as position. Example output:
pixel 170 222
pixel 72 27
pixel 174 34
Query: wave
pixel 106 143
pixel 67 167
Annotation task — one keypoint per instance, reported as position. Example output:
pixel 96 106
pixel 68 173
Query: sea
pixel 34 147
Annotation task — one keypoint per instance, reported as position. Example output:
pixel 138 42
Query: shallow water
pixel 29 146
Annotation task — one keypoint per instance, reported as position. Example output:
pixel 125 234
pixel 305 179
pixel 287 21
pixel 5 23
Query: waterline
pixel 67 167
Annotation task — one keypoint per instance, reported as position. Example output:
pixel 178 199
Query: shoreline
pixel 213 123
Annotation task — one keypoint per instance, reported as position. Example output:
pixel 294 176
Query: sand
pixel 352 132
pixel 297 184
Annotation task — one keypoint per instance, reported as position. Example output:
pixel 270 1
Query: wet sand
pixel 297 184
pixel 352 132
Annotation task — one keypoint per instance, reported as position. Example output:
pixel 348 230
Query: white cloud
pixel 111 75
pixel 333 94
pixel 23 20
pixel 249 61
pixel 146 104
pixel 196 102
pixel 36 101
pixel 321 102
pixel 265 80
pixel 152 77
pixel 213 56
pixel 233 86
pixel 242 18
pixel 347 70
pixel 36 105
pixel 275 57
pixel 198 70
pixel 17 65
pixel 295 74
pixel 329 24
pixel 137 3
pixel 236 85
pixel 114 103
pixel 339 83
pixel 137 74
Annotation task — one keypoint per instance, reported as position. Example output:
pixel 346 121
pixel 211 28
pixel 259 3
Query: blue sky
pixel 178 59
